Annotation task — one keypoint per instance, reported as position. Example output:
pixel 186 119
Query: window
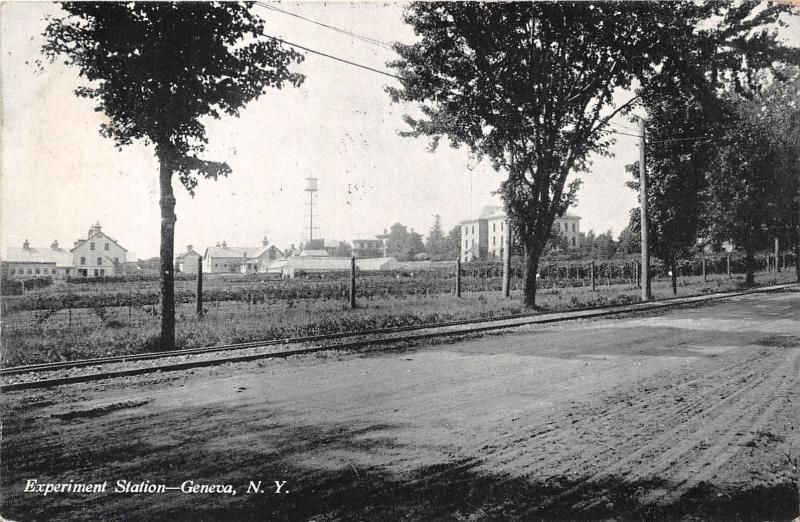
pixel 36 271
pixel 501 225
pixel 473 242
pixel 30 271
pixel 99 260
pixel 573 241
pixel 116 260
pixel 493 225
pixel 96 272
pixel 466 244
pixel 102 272
pixel 91 246
pixel 106 247
pixel 501 240
pixel 573 227
pixel 473 229
pixel 494 242
pixel 83 260
pixel 66 271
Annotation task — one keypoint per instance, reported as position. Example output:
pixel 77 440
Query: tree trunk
pixel 674 270
pixel 531 268
pixel 167 280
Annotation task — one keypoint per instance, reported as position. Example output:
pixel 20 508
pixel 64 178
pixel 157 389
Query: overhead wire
pixel 363 38
pixel 384 45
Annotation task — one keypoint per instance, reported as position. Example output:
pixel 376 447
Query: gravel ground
pixel 686 415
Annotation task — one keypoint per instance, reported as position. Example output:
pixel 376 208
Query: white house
pixel 222 259
pixel 98 255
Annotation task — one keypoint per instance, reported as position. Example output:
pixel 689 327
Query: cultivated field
pixel 74 321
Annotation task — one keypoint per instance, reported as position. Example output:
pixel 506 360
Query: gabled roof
pixel 96 234
pixel 59 256
pixel 263 250
pixel 192 251
pixel 231 252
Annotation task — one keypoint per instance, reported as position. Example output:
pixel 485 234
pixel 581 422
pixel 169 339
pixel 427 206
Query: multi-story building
pixel 483 235
pixel 96 256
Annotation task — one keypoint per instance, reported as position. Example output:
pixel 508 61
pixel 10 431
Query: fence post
pixel 704 270
pixel 728 260
pixel 352 281
pixel 636 272
pixel 199 287
pixel 594 283
pixel 458 277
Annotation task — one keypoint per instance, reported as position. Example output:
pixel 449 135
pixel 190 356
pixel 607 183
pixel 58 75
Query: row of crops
pixel 475 277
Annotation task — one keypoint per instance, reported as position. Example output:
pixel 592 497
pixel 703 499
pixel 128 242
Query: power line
pixel 367 39
pixel 332 57
pixel 622 126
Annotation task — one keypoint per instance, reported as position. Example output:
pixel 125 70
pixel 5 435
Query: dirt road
pixel 691 414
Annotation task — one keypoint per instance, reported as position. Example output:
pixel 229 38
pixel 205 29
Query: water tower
pixel 311 188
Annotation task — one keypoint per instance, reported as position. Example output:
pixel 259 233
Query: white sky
pixel 59 175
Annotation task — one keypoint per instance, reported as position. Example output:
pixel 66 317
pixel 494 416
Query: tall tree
pixel 453 250
pixel 753 181
pixel 156 70
pixel 436 242
pixel 531 85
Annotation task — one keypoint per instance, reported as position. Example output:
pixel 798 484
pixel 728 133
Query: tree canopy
pixel 531 85
pixel 156 70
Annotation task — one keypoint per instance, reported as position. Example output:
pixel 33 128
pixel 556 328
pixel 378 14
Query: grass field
pixel 33 336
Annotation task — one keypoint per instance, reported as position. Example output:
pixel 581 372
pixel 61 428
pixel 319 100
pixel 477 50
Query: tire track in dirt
pixel 626 402
pixel 684 437
pixel 659 406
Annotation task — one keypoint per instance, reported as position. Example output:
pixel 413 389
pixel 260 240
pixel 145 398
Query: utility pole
pixel 507 262
pixel 646 291
pixel 777 256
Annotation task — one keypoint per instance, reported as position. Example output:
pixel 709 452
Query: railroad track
pixel 348 340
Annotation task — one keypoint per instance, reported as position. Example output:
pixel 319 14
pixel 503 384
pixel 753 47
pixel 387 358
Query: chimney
pixel 224 244
pixel 189 248
pixel 412 230
pixel 218 243
pixel 54 246
pixel 26 245
pixel 264 242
